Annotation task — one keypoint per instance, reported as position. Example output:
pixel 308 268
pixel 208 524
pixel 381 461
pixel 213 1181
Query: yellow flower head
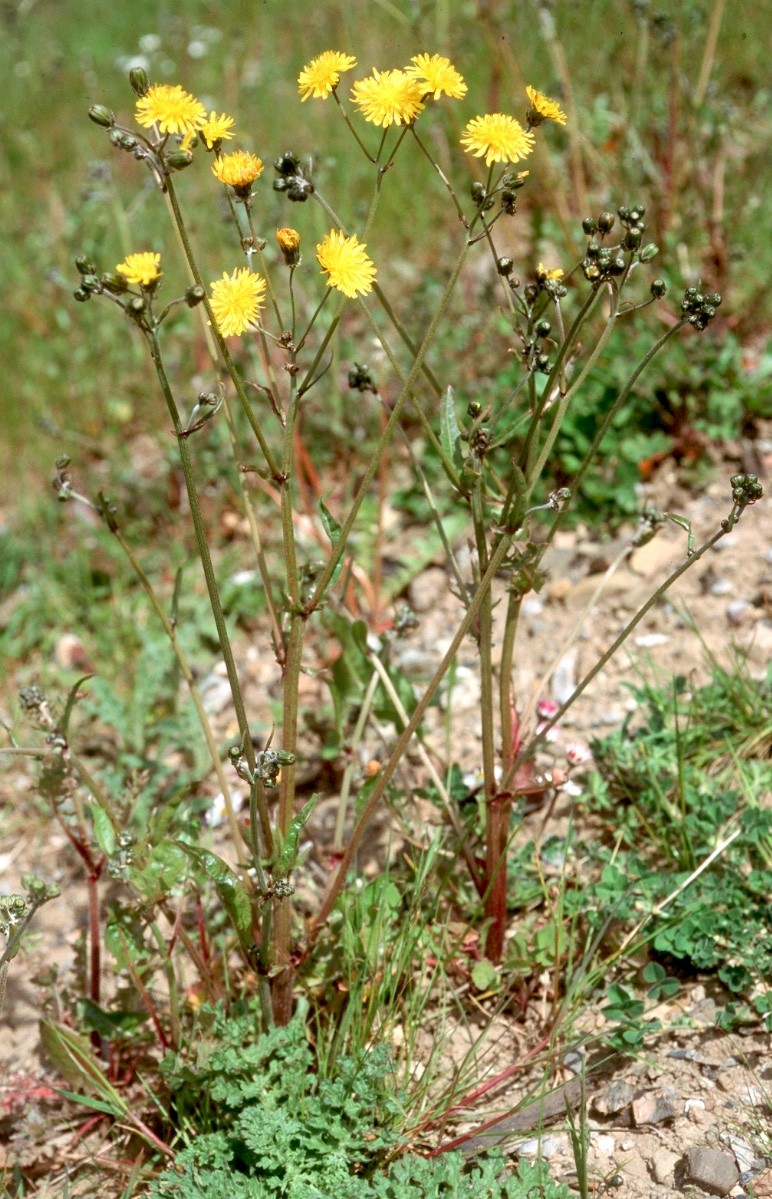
pixel 388 97
pixel 437 76
pixel 239 170
pixel 543 109
pixel 216 129
pixel 542 274
pixel 171 108
pixel 499 137
pixel 236 300
pixel 322 74
pixel 143 268
pixel 346 264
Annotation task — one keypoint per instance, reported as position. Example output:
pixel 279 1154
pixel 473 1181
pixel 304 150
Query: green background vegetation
pixel 73 373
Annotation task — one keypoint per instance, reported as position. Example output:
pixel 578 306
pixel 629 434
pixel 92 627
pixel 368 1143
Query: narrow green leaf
pixel 98 1105
pixel 231 891
pixel 332 529
pixel 72 699
pixel 103 829
pixel 450 434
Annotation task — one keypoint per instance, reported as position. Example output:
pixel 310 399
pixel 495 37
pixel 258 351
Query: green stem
pixel 282 983
pixel 385 437
pixel 554 377
pixel 447 465
pixel 224 352
pixel 387 773
pixel 195 695
pixel 565 400
pixel 606 425
pixel 211 580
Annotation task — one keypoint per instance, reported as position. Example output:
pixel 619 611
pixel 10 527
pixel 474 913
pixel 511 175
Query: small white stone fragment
pixel 651 640
pixel 737 611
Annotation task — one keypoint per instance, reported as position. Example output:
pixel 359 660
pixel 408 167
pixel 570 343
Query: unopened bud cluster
pixel 292 178
pixel 700 308
pixel 603 261
pixel 746 489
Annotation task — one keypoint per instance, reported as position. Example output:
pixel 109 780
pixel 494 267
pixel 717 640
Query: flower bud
pixel 478 192
pixel 139 81
pixel 617 265
pixel 658 288
pixel 136 306
pixel 287 164
pixel 113 282
pixel 504 266
pixel 714 299
pixel 289 244
pixel 606 222
pixel 280 185
pixel 299 189
pixel 637 212
pixel 648 252
pixel 543 329
pixel 589 225
pixel 632 239
pixel 81 295
pixel 624 212
pixel 90 283
pixel 84 265
pixel 531 292
pixel 194 295
pixel 101 115
pixel 178 159
pixel 473 408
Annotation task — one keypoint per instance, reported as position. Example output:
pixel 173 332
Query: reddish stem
pixel 496 875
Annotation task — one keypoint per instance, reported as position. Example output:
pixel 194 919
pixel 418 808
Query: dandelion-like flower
pixel 239 170
pixel 499 137
pixel 236 300
pixel 437 76
pixel 143 269
pixel 216 129
pixel 543 109
pixel 347 266
pixel 542 274
pixel 171 108
pixel 388 97
pixel 322 74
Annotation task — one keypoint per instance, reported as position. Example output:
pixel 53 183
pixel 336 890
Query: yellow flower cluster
pixel 498 137
pixel 543 109
pixel 142 269
pixel 171 108
pixel 236 300
pixel 239 169
pixel 216 129
pixel 345 263
pixel 385 97
pixel 323 73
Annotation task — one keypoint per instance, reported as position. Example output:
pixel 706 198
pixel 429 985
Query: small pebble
pixel 722 587
pixel 737 611
pixel 650 640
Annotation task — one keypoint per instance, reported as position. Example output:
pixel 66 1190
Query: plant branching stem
pixel 403 741
pixel 211 583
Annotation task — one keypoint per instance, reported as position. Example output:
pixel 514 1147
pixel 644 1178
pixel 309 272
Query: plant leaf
pixel 450 434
